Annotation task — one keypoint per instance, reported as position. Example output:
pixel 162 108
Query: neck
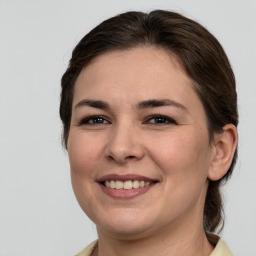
pixel 192 242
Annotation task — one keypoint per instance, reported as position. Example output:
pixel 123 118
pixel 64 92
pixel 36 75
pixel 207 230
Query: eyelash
pixel 94 120
pixel 164 120
pixel 98 120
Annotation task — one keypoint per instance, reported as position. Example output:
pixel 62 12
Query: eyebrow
pixel 92 103
pixel 151 103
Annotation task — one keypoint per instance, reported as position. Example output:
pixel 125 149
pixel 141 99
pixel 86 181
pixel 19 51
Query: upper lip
pixel 125 177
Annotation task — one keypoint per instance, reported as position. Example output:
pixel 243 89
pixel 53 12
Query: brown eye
pixel 94 120
pixel 160 120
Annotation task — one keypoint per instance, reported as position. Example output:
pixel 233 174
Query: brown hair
pixel 203 59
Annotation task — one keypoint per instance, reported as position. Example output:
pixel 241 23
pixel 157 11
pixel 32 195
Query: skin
pixel 168 219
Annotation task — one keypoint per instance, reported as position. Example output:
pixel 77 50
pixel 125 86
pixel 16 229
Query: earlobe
pixel 225 145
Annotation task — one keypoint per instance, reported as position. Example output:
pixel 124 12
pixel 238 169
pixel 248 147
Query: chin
pixel 125 232
pixel 127 225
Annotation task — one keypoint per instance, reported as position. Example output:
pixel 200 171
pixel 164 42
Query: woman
pixel 149 111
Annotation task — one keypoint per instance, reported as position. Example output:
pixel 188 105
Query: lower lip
pixel 125 193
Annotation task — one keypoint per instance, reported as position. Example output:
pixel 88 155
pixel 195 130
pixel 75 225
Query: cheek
pixel 182 154
pixel 183 162
pixel 84 153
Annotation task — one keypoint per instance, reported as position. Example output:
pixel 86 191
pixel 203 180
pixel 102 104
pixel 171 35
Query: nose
pixel 124 145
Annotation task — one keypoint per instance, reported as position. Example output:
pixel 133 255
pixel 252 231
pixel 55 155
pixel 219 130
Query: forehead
pixel 135 74
pixel 142 53
pixel 135 66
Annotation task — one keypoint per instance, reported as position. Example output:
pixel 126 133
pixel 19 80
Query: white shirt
pixel 221 249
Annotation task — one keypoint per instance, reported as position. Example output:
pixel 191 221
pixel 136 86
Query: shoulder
pixel 87 251
pixel 221 249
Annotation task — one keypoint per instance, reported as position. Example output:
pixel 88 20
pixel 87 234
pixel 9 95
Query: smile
pixel 129 184
pixel 125 186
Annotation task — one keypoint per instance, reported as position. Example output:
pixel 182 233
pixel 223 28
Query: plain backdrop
pixel 39 214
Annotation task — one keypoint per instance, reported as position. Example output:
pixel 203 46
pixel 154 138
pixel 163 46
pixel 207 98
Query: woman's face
pixel 138 144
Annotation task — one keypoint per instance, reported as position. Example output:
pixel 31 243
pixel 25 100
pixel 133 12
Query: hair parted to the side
pixel 202 57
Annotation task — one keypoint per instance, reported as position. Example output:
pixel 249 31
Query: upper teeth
pixel 129 184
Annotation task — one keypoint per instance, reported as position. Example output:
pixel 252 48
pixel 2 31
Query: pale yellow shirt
pixel 221 249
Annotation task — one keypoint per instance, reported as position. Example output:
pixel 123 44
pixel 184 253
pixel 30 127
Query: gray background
pixel 39 214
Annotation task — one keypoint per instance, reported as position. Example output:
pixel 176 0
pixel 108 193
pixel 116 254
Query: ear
pixel 224 147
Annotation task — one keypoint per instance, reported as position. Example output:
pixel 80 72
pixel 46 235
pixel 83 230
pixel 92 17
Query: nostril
pixel 122 152
pixel 120 159
pixel 130 157
pixel 110 157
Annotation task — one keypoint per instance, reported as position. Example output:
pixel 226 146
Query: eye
pixel 94 120
pixel 160 120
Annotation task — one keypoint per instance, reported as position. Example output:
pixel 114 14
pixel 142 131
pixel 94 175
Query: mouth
pixel 129 184
pixel 125 186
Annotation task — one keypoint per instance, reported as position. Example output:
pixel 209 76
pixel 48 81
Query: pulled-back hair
pixel 202 58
